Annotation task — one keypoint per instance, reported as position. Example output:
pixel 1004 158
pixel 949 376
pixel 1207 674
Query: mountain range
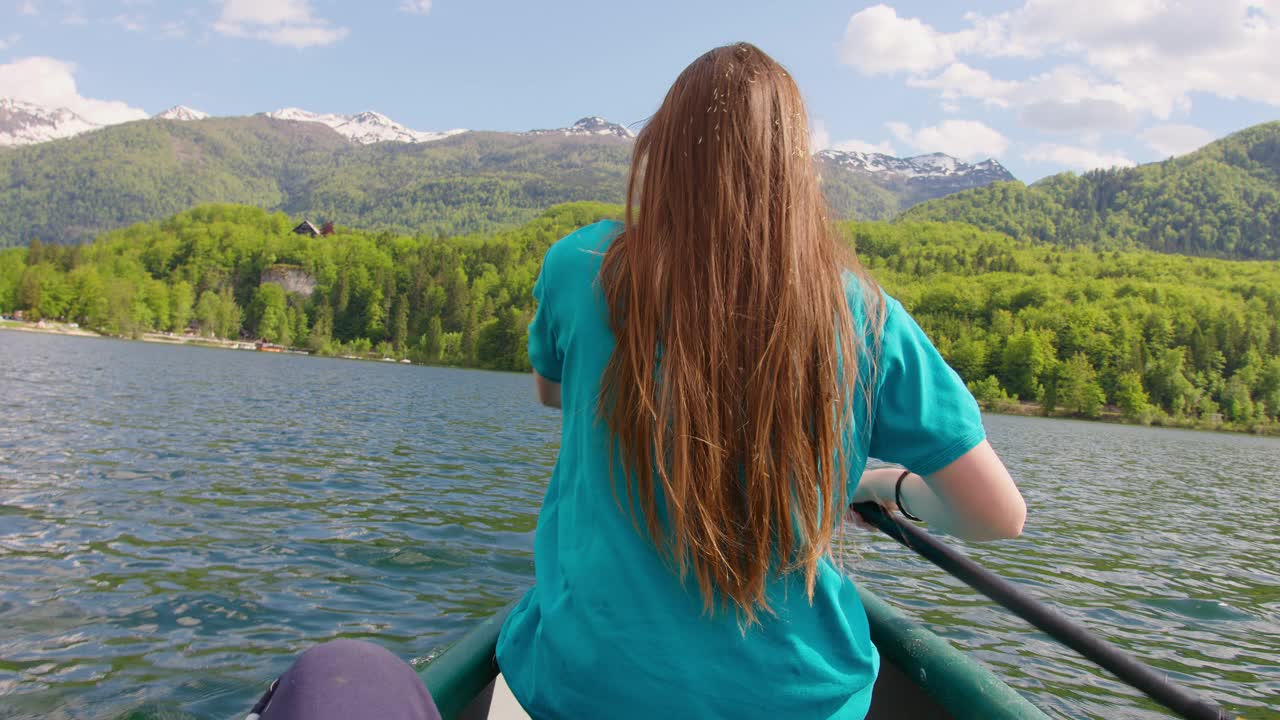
pixel 67 180
pixel 24 123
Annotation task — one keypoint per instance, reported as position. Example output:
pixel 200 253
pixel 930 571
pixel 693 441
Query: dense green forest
pixel 463 300
pixel 1157 338
pixel 1221 201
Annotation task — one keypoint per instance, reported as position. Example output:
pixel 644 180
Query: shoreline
pixel 157 338
pixel 59 328
pixel 1112 416
pixel 1109 415
pixel 48 328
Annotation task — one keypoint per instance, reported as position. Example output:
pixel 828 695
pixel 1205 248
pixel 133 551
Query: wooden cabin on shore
pixel 306 227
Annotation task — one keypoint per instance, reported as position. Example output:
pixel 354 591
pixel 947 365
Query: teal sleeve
pixel 925 418
pixel 544 352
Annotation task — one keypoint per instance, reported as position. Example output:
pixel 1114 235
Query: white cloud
pixel 877 41
pixel 959 80
pixel 416 7
pixel 1077 115
pixel 1125 60
pixel 28 7
pixel 1068 98
pixel 281 22
pixel 51 83
pixel 1173 140
pixel 966 139
pixel 267 12
pixel 883 147
pixel 1080 158
pixel 304 36
pixel 9 41
pixel 820 139
pixel 75 18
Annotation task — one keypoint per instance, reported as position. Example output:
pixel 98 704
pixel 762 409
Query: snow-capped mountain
pixel 906 181
pixel 920 167
pixel 182 113
pixel 364 128
pixel 594 125
pixel 24 123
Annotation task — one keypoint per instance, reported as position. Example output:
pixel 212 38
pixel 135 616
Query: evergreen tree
pixel 1130 395
pixel 1078 388
pixel 181 298
pixel 208 313
pixel 433 340
pixel 270 314
pixel 400 330
pixel 321 330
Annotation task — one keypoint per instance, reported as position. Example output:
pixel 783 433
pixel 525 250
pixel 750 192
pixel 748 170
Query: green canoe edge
pixel 955 681
pixel 465 668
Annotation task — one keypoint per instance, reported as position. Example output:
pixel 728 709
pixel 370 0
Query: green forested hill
pixel 1162 338
pixel 475 182
pixel 71 190
pixel 855 196
pixel 1222 200
pixel 464 300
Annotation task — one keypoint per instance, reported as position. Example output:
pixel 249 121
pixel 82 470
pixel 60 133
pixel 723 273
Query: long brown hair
pixel 732 381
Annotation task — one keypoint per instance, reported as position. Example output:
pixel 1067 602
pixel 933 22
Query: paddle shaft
pixel 1066 631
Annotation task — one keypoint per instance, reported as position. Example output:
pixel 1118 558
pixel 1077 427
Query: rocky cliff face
pixel 292 278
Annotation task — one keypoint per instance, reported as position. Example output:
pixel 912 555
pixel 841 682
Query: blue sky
pixel 1042 85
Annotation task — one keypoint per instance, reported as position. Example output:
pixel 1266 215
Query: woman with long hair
pixel 725 370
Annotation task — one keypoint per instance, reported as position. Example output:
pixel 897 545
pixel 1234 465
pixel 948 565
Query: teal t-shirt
pixel 608 630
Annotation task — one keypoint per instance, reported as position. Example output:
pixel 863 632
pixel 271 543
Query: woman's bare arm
pixel 973 498
pixel 548 391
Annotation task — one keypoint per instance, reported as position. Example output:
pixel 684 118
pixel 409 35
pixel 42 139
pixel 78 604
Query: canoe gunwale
pixel 466 668
pixel 966 688
pixel 952 680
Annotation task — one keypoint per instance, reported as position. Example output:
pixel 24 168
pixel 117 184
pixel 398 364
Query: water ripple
pixel 176 523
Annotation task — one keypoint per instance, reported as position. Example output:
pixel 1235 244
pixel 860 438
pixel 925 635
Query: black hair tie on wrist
pixel 897 497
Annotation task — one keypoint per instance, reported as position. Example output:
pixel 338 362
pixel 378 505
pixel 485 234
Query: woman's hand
pixel 875 486
pixel 853 516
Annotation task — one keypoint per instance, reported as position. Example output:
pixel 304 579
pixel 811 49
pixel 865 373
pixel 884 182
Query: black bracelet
pixel 897 497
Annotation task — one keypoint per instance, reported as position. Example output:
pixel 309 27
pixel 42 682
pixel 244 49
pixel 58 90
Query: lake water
pixel 176 523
